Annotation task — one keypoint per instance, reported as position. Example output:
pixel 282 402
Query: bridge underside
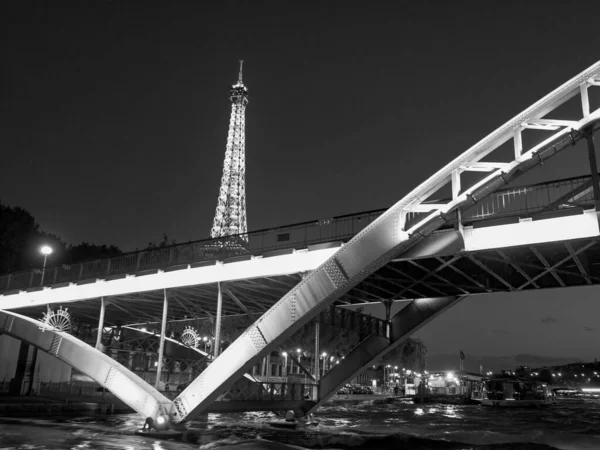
pixel 190 302
pixel 533 266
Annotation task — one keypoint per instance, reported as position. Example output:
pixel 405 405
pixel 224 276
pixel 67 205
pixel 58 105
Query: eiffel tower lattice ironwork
pixel 229 224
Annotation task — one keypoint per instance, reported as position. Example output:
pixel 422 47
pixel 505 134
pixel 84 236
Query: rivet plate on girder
pixel 335 272
pixel 55 345
pixel 9 324
pixel 257 338
pixel 293 312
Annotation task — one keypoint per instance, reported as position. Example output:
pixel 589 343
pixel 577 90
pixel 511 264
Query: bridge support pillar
pixel 388 315
pixel 161 345
pixel 317 350
pixel 218 321
pixel 593 165
pixel 100 324
pixel 23 381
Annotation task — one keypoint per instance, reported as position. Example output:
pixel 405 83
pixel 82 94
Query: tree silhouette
pixel 21 239
pixel 411 354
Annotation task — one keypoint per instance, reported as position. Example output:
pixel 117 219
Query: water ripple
pixel 356 426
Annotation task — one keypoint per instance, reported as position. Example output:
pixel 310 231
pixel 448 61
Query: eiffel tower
pixel 230 230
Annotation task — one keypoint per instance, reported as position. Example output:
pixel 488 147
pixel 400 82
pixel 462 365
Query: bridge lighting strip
pixel 528 232
pixel 257 267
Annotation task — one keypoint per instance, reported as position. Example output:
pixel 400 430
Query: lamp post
pixel 45 250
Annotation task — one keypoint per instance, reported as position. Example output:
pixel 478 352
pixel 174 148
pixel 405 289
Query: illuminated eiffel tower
pixel 229 224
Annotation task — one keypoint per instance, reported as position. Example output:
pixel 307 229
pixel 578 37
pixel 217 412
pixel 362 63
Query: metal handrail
pixel 524 200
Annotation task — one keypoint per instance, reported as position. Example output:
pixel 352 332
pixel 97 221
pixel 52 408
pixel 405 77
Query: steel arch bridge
pixel 407 231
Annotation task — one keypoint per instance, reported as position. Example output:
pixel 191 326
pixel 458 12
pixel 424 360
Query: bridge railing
pixel 524 200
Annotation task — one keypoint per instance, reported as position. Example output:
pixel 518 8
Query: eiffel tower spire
pixel 230 215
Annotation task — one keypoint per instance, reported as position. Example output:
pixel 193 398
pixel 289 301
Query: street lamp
pixel 45 250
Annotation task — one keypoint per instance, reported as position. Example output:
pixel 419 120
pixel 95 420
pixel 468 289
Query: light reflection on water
pixel 340 426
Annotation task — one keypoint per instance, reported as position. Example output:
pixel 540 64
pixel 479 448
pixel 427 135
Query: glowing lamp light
pixel 156 364
pixel 46 250
pixel 162 423
pixel 143 329
pixel 324 354
pixel 299 350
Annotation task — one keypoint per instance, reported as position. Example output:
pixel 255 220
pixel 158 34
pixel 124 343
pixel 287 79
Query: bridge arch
pixel 107 372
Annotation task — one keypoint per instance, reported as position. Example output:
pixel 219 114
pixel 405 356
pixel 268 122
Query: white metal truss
pixel 389 237
pixel 230 215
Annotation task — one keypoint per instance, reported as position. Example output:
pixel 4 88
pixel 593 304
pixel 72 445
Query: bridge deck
pixel 518 201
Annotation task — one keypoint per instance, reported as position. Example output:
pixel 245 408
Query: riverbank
pixel 62 404
pixel 51 404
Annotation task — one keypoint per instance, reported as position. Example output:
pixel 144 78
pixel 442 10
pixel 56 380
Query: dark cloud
pixel 549 320
pixel 500 332
pixel 588 328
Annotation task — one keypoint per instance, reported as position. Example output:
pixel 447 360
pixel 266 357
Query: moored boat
pixel 514 392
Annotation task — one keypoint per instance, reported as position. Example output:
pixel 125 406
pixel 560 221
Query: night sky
pixel 114 115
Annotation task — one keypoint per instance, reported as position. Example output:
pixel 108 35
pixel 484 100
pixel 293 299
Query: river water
pixel 349 426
